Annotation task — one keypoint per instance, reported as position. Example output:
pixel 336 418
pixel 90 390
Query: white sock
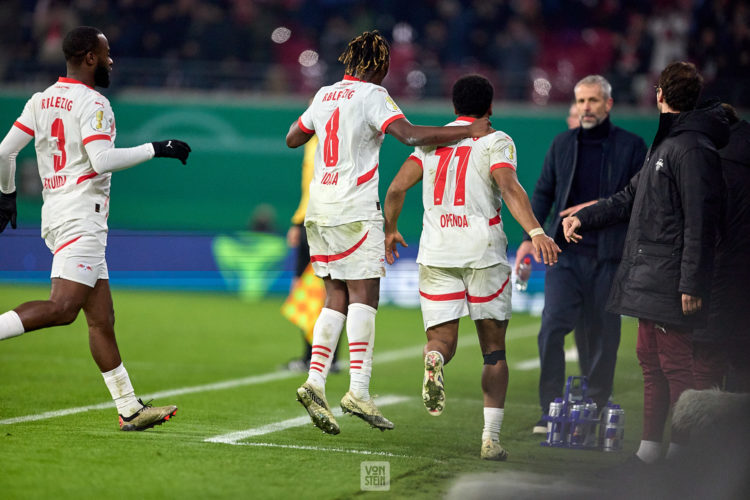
pixel 326 334
pixel 649 451
pixel 10 325
pixel 493 420
pixel 118 383
pixel 360 330
pixel 675 450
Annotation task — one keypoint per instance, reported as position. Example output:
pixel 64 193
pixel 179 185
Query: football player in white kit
pixel 344 223
pixel 73 128
pixel 463 266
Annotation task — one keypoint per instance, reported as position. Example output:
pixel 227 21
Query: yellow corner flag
pixel 302 306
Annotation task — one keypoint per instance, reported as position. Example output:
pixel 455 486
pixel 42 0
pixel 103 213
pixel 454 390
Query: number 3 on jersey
pixel 58 132
pixel 331 142
pixel 446 155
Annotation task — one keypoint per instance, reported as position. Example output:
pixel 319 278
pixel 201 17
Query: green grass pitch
pixel 182 347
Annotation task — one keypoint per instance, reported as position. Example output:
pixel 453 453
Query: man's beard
pixel 101 77
pixel 588 124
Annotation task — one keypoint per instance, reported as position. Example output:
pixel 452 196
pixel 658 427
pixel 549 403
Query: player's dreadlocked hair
pixel 367 53
pixel 79 42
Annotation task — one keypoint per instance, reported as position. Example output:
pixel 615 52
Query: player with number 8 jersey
pixel 344 223
pixel 353 116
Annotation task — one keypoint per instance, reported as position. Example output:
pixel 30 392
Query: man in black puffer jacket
pixel 664 278
pixel 725 342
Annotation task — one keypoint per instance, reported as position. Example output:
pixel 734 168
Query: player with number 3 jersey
pixel 74 131
pixel 344 223
pixel 463 266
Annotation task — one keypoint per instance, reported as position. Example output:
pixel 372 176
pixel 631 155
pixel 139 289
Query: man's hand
pixel 171 149
pixel 480 127
pixel 570 225
pixel 7 210
pixel 547 247
pixel 391 249
pixel 691 304
pixel 576 208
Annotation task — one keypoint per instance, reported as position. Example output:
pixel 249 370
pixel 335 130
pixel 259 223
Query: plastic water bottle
pixel 524 271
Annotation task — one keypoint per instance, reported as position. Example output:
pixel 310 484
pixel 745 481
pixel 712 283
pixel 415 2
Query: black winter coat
pixel 674 205
pixel 729 314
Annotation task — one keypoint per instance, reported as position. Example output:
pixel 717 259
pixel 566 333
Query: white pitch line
pixel 234 437
pixel 385 357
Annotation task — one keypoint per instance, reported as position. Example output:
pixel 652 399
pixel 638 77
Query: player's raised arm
pixel 517 200
pixel 407 177
pixel 418 135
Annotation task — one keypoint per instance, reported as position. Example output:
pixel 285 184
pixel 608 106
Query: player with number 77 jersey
pixel 343 221
pixel 463 267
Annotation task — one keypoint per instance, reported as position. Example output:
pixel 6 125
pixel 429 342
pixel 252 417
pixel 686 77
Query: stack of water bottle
pixel 575 422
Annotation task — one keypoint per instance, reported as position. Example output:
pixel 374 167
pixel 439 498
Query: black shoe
pixel 540 427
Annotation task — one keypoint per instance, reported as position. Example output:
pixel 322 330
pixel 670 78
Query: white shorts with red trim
pixel 79 252
pixel 352 251
pixel 448 293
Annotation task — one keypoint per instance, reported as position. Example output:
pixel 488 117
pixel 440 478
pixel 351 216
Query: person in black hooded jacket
pixel 664 278
pixel 723 347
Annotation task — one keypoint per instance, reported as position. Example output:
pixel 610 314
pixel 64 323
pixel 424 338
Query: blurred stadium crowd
pixel 532 50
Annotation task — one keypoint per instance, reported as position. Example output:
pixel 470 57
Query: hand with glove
pixel 7 210
pixel 171 149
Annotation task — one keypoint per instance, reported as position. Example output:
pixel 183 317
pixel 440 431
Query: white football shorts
pixel 79 253
pixel 352 251
pixel 448 293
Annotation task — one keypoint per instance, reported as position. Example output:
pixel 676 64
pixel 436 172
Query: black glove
pixel 7 210
pixel 171 149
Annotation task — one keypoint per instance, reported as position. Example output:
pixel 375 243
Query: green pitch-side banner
pixel 240 166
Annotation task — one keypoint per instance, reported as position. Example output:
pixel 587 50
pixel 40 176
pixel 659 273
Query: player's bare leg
pixel 326 334
pixel 65 302
pixel 491 334
pixel 100 316
pixel 439 350
pixel 360 330
pixel 134 415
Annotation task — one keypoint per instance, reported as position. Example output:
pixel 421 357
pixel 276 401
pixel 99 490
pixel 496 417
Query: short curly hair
pixel 79 42
pixel 681 85
pixel 472 95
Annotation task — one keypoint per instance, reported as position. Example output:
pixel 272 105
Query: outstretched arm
pixel 105 157
pixel 408 176
pixel 417 135
pixel 520 208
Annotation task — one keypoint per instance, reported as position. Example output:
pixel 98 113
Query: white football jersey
pixel 350 118
pixel 461 223
pixel 63 119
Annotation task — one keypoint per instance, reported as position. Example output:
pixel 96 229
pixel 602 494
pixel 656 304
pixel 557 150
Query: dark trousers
pixel 575 294
pixel 666 358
